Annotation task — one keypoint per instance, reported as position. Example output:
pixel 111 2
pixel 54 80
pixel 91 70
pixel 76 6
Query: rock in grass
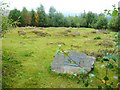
pixel 21 33
pixel 41 33
pixel 74 62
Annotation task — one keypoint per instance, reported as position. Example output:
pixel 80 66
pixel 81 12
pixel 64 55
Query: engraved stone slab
pixel 72 63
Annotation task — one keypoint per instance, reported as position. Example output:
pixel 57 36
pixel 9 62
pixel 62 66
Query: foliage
pixel 114 23
pixel 4 22
pixel 25 17
pixel 55 19
pixel 36 19
pixel 101 22
pixel 51 15
pixel 15 16
pixel 33 19
pixel 41 16
pixel 90 18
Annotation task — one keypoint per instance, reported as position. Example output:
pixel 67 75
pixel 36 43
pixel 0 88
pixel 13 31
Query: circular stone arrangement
pixel 74 62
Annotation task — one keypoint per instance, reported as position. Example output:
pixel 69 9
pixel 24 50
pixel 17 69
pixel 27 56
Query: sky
pixel 65 6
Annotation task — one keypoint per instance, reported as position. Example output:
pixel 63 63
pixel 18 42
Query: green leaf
pixel 78 81
pixel 58 52
pixel 106 78
pixel 111 83
pixel 74 62
pixel 110 56
pixel 108 86
pixel 105 58
pixel 70 61
pixel 99 87
pixel 109 65
pixel 114 13
pixel 65 53
pixel 86 84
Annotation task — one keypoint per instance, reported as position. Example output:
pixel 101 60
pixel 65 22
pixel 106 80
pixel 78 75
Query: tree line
pixel 40 18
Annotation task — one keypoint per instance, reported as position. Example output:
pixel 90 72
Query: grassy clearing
pixel 26 59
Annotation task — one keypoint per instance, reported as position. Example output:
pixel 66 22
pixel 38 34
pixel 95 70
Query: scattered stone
pixel 68 31
pixel 28 28
pixel 21 33
pixel 56 43
pixel 85 36
pixel 75 46
pixel 22 43
pixel 75 33
pixel 100 31
pixel 104 32
pixel 93 31
pixel 60 43
pixel 106 43
pixel 72 63
pixel 41 33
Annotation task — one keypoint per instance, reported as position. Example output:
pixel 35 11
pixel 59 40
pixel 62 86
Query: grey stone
pixel 62 64
pixel 75 33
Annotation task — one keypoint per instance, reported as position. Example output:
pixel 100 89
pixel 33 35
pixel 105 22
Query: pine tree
pixel 42 16
pixel 32 17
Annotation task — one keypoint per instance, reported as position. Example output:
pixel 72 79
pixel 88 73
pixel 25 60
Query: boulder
pixel 74 62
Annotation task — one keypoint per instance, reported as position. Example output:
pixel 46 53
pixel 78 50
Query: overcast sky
pixel 65 6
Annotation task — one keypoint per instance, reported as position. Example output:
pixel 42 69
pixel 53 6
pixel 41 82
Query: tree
pixel 32 17
pixel 51 16
pixel 67 22
pixel 36 18
pixel 58 19
pixel 15 16
pixel 42 16
pixel 25 17
pixel 90 18
pixel 101 22
pixel 83 21
pixel 114 23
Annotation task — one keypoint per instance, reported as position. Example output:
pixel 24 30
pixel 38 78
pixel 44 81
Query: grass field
pixel 27 58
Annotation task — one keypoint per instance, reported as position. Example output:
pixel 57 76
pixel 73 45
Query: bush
pixel 114 23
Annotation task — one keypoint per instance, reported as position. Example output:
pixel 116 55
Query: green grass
pixel 26 59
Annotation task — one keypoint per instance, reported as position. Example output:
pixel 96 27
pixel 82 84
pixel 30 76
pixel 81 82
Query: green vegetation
pixel 57 19
pixel 27 58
